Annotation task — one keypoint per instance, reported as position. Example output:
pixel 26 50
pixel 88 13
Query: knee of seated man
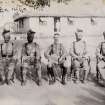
pixel 86 65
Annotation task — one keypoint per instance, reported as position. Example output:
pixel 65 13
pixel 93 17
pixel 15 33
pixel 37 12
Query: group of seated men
pixel 56 55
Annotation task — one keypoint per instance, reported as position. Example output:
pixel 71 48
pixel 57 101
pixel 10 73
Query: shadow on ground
pixel 96 99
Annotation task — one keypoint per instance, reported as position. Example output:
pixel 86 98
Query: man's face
pixel 30 37
pixel 7 37
pixel 56 40
pixel 79 35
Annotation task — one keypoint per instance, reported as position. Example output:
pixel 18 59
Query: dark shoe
pixel 40 83
pixel 23 83
pixel 8 82
pixel 51 82
pixel 75 81
pixel 82 81
pixel 63 82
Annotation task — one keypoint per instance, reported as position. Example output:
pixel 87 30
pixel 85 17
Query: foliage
pixel 42 3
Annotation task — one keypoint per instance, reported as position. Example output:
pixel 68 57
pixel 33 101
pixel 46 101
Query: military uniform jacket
pixel 32 51
pixel 7 49
pixel 7 53
pixel 57 50
pixel 78 49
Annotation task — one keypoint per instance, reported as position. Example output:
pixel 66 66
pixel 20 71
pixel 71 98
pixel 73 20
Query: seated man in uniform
pixel 100 54
pixel 31 58
pixel 56 55
pixel 8 58
pixel 78 53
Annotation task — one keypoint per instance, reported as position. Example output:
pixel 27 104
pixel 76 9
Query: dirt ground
pixel 57 94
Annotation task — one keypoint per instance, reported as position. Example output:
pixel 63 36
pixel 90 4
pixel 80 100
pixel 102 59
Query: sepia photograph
pixel 52 52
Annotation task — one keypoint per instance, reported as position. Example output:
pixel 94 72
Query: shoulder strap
pixel 74 47
pixel 1 49
pixel 101 47
pixel 51 51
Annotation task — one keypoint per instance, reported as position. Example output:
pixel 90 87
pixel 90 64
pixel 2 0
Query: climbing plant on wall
pixel 41 3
